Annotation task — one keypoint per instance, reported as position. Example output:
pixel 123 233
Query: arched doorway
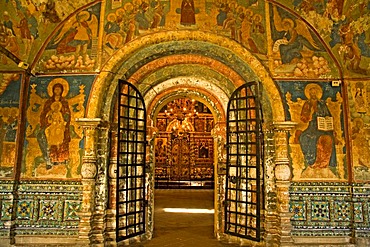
pixel 202 73
pixel 244 183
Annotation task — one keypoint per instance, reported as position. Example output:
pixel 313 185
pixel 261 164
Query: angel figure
pixel 76 35
pixel 296 37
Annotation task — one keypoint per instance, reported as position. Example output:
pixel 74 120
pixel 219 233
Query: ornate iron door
pixel 130 162
pixel 244 163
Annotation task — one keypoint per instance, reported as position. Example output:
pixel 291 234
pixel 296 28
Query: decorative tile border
pixel 342 211
pixel 298 209
pixel 71 208
pixel 6 210
pixel 24 209
pixel 320 211
pixel 51 207
pixel 330 209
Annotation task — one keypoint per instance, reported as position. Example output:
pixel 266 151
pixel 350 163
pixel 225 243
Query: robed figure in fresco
pixel 295 37
pixel 317 140
pixel 54 135
pixel 187 13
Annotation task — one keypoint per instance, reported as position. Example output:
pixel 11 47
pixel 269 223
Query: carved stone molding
pixel 89 126
pixel 89 171
pixel 219 135
pixel 281 130
pixel 283 175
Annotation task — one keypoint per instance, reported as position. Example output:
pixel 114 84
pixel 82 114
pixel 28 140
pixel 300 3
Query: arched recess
pixel 214 103
pixel 140 52
pixel 151 62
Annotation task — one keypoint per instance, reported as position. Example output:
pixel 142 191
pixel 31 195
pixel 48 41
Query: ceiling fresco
pixel 27 24
pixel 293 39
pixel 344 26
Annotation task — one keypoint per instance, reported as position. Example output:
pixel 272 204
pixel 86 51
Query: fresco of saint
pixel 318 145
pixel 187 13
pixel 54 136
pixel 296 36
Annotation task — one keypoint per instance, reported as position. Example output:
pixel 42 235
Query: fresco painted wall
pixel 74 45
pixel 27 24
pixel 9 112
pixel 242 21
pixel 359 99
pixel 317 143
pixel 68 33
pixel 344 26
pixel 296 49
pixel 52 146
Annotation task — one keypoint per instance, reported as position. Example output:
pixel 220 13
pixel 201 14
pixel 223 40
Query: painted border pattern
pixel 330 209
pixel 50 206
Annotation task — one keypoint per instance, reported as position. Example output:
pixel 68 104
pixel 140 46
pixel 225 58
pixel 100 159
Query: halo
pixel 287 20
pixel 359 85
pixel 83 15
pixel 120 12
pixel 240 9
pixel 129 6
pixel 358 120
pixel 309 87
pixel 61 81
pixel 136 2
pixel 257 17
pixel 114 39
pixel 249 12
pixel 111 17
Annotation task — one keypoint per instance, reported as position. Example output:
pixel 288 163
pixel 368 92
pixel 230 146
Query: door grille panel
pixel 130 163
pixel 244 162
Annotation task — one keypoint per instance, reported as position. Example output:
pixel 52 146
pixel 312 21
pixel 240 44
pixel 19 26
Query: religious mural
pixel 359 98
pixel 344 25
pixel 297 51
pixel 9 112
pixel 74 47
pixel 317 143
pixel 242 21
pixel 53 138
pixel 26 24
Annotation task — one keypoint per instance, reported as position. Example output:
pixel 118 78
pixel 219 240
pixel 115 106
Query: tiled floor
pixel 183 229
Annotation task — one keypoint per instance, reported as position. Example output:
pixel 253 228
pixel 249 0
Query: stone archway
pixel 146 62
pixel 180 87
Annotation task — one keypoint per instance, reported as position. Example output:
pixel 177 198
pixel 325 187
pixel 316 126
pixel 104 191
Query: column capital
pixel 89 123
pixel 285 126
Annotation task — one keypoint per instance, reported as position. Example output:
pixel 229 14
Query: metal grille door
pixel 244 162
pixel 131 162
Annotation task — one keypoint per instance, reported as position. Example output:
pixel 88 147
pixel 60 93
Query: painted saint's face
pixel 313 93
pixel 57 91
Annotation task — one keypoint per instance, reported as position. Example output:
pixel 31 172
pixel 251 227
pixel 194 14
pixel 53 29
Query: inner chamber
pixel 184 150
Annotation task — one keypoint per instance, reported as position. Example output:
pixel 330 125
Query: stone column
pixel 110 230
pixel 151 134
pixel 88 172
pixel 219 137
pixel 270 217
pixel 283 175
pixel 101 184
